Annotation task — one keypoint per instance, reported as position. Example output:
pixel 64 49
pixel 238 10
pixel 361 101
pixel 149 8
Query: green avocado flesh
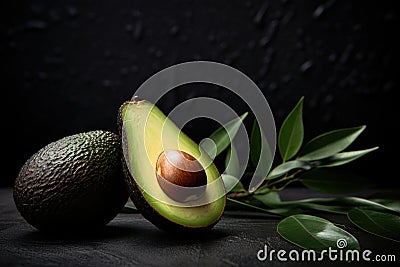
pixel 147 132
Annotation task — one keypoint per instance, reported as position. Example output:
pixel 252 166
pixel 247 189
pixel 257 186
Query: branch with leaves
pixel 311 165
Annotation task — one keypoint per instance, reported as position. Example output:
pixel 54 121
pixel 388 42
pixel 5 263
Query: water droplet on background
pixel 287 78
pixel 124 71
pixel 138 31
pixel 318 11
pixel 174 31
pixel 136 13
pixel 266 63
pixel 107 54
pixel 259 17
pixel 328 99
pixel 232 57
pixel 42 75
pixel 344 58
pixel 306 66
pixel 12 44
pixel 270 33
pixel 273 86
pixel 129 27
pixel 134 69
pixel 72 11
pixel 388 86
pixel 158 54
pixel 332 57
pixel 287 17
pixel 322 9
pixel 106 83
pixel 223 46
pixel 54 15
pixel 37 7
pixel 52 60
pixel 91 15
pixel 251 45
pixel 35 25
pixel 73 72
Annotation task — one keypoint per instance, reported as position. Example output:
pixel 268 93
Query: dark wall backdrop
pixel 68 65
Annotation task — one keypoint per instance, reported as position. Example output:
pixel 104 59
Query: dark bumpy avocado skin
pixel 73 183
pixel 144 207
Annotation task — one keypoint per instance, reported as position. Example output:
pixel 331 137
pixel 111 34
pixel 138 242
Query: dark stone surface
pixel 131 240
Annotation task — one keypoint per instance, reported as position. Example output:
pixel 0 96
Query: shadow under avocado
pixel 108 232
pixel 143 232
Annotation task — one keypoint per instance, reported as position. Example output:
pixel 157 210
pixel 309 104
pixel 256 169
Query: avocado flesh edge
pixel 142 123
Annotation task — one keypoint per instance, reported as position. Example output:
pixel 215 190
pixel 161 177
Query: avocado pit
pixel 180 175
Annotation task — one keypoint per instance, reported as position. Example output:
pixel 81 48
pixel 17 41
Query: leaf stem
pixel 282 180
pixel 268 184
pixel 251 206
pixel 285 185
pixel 240 194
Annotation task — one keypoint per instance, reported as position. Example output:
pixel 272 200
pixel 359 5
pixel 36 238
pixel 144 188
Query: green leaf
pixel 291 133
pixel 340 205
pixel 276 211
pixel 269 199
pixel 333 182
pixel 257 140
pixel 222 136
pixel 325 208
pixel 232 184
pixel 392 194
pixel 311 232
pixel 378 223
pixel 353 202
pixel 388 198
pixel 288 166
pixel 344 157
pixel 330 143
pixel 272 199
pixel 346 203
pixel 232 165
pixel 393 204
pixel 129 208
pixel 255 144
pixel 260 154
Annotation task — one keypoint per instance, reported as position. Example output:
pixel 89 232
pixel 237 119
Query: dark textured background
pixel 68 65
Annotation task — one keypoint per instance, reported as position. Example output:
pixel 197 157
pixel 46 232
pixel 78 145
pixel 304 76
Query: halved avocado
pixel 146 133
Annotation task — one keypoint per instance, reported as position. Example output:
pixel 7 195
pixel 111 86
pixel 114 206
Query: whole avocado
pixel 75 183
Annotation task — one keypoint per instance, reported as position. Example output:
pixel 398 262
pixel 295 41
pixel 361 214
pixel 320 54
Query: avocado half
pixel 146 132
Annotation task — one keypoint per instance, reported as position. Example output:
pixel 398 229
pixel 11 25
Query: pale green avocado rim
pixel 135 116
